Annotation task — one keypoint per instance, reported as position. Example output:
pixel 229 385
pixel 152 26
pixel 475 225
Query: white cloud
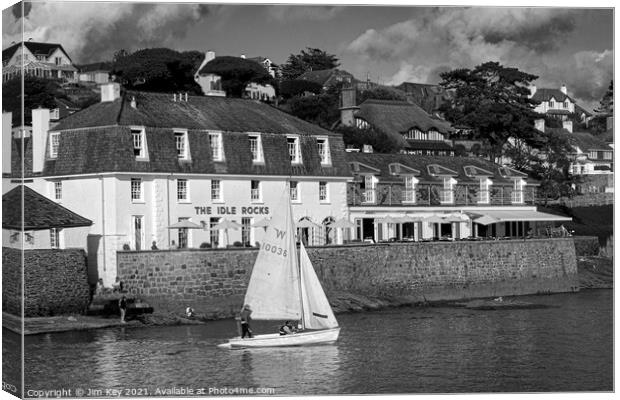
pixel 441 39
pixel 295 13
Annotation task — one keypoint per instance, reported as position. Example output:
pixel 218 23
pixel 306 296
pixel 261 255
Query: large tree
pixel 380 141
pixel 311 60
pixel 236 73
pixel 38 92
pixel 606 105
pixel 494 101
pixel 158 70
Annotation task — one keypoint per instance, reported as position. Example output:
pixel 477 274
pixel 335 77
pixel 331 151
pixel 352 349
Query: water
pixel 407 350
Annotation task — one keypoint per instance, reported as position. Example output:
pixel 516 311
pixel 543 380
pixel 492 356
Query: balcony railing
pixel 436 195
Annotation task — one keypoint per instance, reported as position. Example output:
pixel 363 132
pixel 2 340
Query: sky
pixel 388 44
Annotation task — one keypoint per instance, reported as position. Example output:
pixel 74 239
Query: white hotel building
pixel 137 163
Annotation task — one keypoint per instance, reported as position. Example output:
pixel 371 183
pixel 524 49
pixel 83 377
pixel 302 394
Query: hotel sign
pixel 233 210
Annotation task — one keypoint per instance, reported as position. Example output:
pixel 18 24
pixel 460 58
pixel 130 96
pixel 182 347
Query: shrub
pixel 205 245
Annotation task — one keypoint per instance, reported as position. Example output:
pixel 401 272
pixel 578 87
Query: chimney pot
pixel 563 89
pixel 174 97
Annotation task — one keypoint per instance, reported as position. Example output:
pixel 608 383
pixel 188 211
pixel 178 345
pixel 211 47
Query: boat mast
pixel 297 255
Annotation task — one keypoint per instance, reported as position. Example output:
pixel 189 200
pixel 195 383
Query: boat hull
pixel 276 340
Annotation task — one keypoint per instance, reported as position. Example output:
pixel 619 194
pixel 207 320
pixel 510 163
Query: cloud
pixel 440 39
pixel 94 31
pixel 297 13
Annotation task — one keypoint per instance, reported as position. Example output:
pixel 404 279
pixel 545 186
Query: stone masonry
pixel 56 282
pixel 426 271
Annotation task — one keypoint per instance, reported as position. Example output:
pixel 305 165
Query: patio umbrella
pixel 306 223
pixel 263 223
pixel 185 224
pixel 226 224
pixel 435 219
pixel 486 220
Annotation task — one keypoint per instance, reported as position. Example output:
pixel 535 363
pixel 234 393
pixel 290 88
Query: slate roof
pixel 586 141
pixel 581 110
pixel 39 212
pixel 98 138
pixel 397 117
pixel 421 163
pixel 543 94
pixel 323 76
pixel 34 47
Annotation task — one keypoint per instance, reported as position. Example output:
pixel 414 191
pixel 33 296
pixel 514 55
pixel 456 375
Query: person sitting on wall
pixel 287 329
pixel 189 312
pixel 154 246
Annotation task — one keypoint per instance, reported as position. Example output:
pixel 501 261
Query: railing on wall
pixel 393 194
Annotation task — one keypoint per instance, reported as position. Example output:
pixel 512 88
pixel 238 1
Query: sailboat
pixel 283 286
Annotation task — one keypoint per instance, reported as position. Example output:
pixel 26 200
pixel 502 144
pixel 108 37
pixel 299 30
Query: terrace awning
pixel 492 217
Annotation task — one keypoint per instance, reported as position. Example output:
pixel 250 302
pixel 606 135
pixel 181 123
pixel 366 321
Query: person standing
pixel 245 321
pixel 122 305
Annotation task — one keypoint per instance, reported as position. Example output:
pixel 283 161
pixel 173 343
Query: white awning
pixel 492 217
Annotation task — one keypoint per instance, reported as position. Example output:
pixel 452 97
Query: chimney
pixel 532 90
pixel 540 124
pixel 242 56
pixel 568 125
pixel 40 127
pixel 209 55
pixel 564 90
pixel 348 106
pixel 7 142
pixel 110 91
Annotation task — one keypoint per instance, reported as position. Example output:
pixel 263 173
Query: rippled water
pixel 407 350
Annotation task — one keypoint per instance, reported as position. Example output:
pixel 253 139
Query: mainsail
pixel 273 290
pixel 318 313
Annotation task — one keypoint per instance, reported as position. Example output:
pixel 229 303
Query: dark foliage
pixel 357 138
pixel 236 73
pixel 311 60
pixel 298 87
pixel 158 70
pixel 38 92
pixel 494 101
pixel 606 105
pixel 380 93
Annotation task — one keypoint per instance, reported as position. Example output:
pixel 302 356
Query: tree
pixel 380 93
pixel 158 70
pixel 379 140
pixel 311 60
pixel 236 73
pixel 494 101
pixel 606 105
pixel 298 87
pixel 38 92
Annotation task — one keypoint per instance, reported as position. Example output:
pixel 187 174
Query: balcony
pixel 435 195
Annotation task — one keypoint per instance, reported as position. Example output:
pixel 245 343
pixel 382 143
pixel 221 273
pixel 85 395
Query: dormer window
pixel 256 148
pixel 215 141
pixel 368 186
pixel 551 104
pixel 361 124
pixel 517 191
pixel 483 197
pixel 139 142
pixel 324 151
pixel 414 134
pixel 409 195
pixel 566 104
pixel 293 149
pixel 54 140
pixel 447 192
pixel 182 144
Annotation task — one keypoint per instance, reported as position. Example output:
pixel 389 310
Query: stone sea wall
pixel 55 281
pixel 419 271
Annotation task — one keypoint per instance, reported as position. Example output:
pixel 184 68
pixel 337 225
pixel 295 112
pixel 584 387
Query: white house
pixel 44 60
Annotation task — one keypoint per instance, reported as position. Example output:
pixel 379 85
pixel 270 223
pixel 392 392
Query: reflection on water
pixel 407 350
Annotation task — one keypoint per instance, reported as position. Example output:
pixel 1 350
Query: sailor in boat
pixel 287 329
pixel 245 321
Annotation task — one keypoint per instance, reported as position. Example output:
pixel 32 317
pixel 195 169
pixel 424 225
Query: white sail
pixel 273 290
pixel 318 313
